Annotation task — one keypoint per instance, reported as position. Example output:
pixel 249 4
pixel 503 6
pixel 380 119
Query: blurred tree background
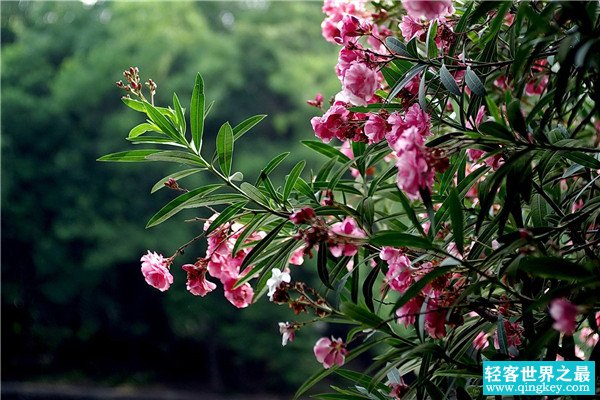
pixel 75 306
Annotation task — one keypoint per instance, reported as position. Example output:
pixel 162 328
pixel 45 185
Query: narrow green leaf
pixel 179 114
pixel 304 188
pixel 246 125
pixel 515 117
pixel 325 149
pixel 197 113
pixel 176 176
pixel 457 218
pixel 322 265
pixel 474 83
pixel 582 159
pixel 180 157
pixel 364 316
pixel 225 148
pixel 165 125
pixel 397 239
pixel 290 182
pixel 227 215
pixel 129 156
pixel 266 182
pixel 496 130
pixel 257 250
pixel 253 193
pixel 141 129
pixel 179 203
pixel 396 46
pixel 249 228
pixel 448 81
pixel 367 288
pixel 432 50
pixel 162 140
pixel 423 92
pixel 271 165
pixel 407 78
pixel 134 104
pixel 501 334
pixel 554 268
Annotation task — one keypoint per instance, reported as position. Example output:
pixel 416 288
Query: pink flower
pixel 435 320
pixel 413 172
pixel 329 30
pixel 347 57
pixel 399 389
pixel 156 272
pixel 375 128
pixel 481 341
pixel 407 314
pixel 288 332
pixel 597 316
pixel 416 117
pixel 196 280
pixel 351 28
pixel 332 123
pixel 430 9
pixel 241 297
pixel 411 27
pixel 330 352
pixel 344 235
pixel 399 276
pixel 360 83
pixel 297 257
pixel 589 337
pixel 564 314
pixel 304 215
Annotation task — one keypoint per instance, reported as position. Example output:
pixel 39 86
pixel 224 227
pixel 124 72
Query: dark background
pixel 75 307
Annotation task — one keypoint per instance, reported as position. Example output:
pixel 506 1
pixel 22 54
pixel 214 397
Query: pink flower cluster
pixel 407 139
pixel 219 262
pixel 438 294
pixel 224 265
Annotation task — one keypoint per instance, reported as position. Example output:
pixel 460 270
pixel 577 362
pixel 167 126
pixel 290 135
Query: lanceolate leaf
pixel 474 83
pixel 430 40
pixel 554 267
pixel 290 182
pixel 179 203
pixel 325 149
pixel 180 157
pixel 227 215
pixel 396 46
pixel 225 148
pixel 407 78
pixel 141 129
pixel 322 265
pixel 448 81
pixel 165 125
pixel 246 125
pixel 179 113
pixel 257 250
pixel 197 113
pixel 129 156
pixel 396 239
pixel 456 216
pixel 254 193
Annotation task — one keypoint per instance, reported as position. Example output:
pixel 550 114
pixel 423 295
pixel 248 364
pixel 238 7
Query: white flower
pixel 287 332
pixel 276 279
